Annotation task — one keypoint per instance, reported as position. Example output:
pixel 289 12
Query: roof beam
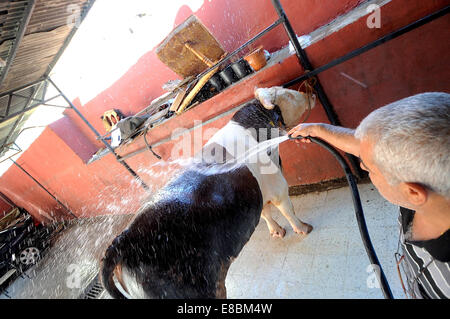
pixel 11 132
pixel 29 107
pixel 18 40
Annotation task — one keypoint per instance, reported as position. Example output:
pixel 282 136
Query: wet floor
pixel 71 263
pixel 330 262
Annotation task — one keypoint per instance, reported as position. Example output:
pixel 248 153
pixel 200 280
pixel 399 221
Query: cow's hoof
pixel 278 233
pixel 309 228
pixel 304 229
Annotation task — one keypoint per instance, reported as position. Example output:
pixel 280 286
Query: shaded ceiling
pixel 33 35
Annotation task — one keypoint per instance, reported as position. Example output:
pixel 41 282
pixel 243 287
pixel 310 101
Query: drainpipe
pixel 307 66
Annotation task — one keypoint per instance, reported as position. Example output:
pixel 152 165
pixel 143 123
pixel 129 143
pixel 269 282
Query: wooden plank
pixel 182 60
pixel 34 54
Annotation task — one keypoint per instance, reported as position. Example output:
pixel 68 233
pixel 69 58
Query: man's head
pixel 405 146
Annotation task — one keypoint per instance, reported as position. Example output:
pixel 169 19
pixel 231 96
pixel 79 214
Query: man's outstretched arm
pixel 340 137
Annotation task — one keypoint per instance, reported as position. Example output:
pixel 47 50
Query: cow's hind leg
pixel 274 228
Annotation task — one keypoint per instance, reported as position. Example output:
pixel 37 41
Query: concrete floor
pixel 328 263
pixel 71 263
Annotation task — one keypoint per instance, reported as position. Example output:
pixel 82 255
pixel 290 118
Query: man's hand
pixel 340 137
pixel 305 129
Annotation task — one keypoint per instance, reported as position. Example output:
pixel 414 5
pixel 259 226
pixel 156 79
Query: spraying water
pixel 260 147
pixel 206 166
pixel 73 260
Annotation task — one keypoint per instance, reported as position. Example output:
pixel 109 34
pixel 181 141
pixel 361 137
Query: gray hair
pixel 411 139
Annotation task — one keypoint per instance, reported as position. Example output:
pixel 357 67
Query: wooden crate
pixel 174 53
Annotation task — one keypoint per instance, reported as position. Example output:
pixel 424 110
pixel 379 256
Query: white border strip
pixel 324 31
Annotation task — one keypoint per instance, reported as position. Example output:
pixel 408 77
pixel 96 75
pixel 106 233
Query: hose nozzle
pixel 298 137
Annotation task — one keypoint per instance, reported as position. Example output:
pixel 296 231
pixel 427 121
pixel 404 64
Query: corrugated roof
pixel 33 35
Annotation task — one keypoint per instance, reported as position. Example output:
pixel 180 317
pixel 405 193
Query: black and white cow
pixel 182 242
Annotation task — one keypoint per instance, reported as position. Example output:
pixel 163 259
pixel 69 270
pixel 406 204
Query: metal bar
pixel 167 139
pixel 18 148
pixel 8 106
pixel 54 105
pixel 304 61
pixel 41 101
pixel 160 101
pixel 43 187
pixel 371 45
pixel 12 155
pixel 215 118
pixel 32 94
pixel 11 132
pixel 256 37
pixel 139 151
pixel 20 88
pixel 26 97
pixel 108 133
pixel 127 167
pixel 44 90
pixel 26 109
pixel 18 151
pixel 10 146
pixel 18 39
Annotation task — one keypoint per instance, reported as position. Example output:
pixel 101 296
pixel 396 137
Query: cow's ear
pixel 265 97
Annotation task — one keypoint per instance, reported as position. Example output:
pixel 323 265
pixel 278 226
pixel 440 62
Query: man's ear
pixel 415 193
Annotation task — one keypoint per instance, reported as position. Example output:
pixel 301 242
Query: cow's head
pixel 291 103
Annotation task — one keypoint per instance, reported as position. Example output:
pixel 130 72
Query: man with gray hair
pixel 405 148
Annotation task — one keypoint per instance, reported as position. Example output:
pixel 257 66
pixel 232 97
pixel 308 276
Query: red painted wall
pixel 413 63
pixel 232 22
pixel 87 190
